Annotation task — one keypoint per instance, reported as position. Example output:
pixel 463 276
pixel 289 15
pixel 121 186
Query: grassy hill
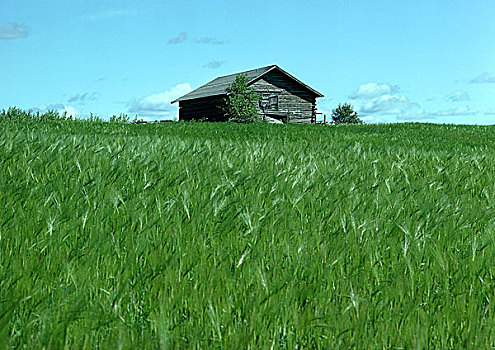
pixel 233 236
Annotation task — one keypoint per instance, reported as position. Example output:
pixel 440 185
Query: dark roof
pixel 219 85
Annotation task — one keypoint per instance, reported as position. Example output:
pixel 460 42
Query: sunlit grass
pixel 218 235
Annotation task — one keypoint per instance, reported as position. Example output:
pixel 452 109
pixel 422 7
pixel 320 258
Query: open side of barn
pixel 282 97
pixel 206 108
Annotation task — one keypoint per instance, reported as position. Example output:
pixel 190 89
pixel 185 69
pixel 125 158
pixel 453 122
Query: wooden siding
pixel 293 100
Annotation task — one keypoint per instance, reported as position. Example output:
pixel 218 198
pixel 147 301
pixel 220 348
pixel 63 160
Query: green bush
pixel 345 114
pixel 240 103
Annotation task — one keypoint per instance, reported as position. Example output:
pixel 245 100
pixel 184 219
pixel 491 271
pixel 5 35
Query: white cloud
pixel 421 114
pixel 373 90
pixel 13 31
pixel 371 119
pixel 393 105
pixel 458 96
pixel 459 111
pixel 483 78
pixel 376 101
pixel 180 38
pixel 490 111
pixel 158 105
pixel 415 114
pixel 58 107
pixel 388 104
pixel 71 112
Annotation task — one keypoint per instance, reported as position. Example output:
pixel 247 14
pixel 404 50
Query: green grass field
pixel 199 235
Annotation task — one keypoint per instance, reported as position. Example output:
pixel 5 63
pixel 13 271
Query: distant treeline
pixel 15 113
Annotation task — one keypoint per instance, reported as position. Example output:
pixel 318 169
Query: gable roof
pixel 220 85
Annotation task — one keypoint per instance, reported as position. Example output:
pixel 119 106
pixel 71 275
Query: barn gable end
pixel 295 103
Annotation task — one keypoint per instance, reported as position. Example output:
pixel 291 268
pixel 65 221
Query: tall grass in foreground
pixel 236 236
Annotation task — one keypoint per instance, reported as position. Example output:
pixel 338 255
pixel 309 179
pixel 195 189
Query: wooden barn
pixel 283 97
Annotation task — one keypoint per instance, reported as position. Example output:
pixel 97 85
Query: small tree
pixel 344 114
pixel 240 103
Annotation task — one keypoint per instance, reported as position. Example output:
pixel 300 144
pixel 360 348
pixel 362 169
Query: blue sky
pixel 394 61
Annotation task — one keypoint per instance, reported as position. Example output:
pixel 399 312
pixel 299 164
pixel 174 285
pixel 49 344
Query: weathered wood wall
pixel 293 99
